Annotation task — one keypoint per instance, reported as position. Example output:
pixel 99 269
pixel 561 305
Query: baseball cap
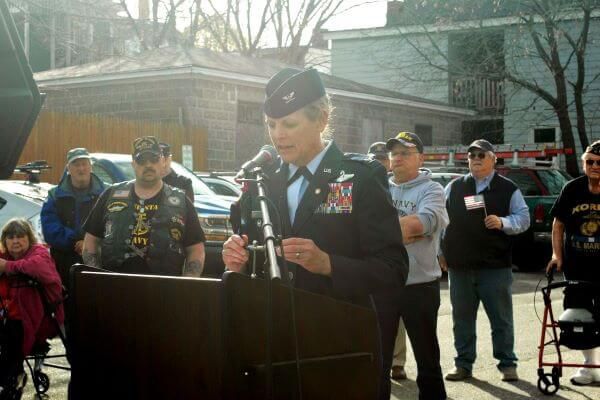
pixel 378 150
pixel 594 148
pixel 146 144
pixel 407 139
pixel 481 144
pixel 76 154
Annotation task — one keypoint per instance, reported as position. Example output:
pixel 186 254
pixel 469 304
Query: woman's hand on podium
pixel 235 255
pixel 307 254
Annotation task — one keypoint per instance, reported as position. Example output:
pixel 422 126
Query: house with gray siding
pixel 223 93
pixel 414 59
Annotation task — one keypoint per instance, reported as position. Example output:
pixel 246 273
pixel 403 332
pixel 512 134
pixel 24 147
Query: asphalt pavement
pixel 486 382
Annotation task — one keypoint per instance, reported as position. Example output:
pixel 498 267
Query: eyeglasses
pixel 403 154
pixel 592 162
pixel 473 156
pixel 143 158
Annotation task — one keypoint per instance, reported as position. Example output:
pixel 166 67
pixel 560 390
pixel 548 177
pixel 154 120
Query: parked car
pixel 540 186
pixel 213 210
pixel 23 199
pixel 223 185
pixel 443 178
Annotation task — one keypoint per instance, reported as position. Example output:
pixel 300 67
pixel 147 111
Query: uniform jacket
pixel 62 219
pixel 38 264
pixel 347 211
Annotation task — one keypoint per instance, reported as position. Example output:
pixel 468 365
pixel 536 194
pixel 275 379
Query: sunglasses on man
pixel 479 155
pixel 147 157
pixel 592 162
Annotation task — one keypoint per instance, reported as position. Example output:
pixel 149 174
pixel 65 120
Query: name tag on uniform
pixel 339 199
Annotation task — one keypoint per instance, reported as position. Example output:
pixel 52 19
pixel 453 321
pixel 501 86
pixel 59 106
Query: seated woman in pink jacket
pixel 23 322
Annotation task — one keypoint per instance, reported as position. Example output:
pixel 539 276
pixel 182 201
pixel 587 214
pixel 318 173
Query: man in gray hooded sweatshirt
pixel 422 213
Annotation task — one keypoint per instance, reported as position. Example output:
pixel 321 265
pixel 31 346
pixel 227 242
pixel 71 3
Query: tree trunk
pixel 566 132
pixel 581 129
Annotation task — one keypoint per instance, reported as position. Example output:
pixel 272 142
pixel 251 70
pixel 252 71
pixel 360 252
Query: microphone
pixel 265 156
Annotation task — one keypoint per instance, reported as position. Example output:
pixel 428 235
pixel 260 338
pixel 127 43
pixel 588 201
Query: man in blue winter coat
pixel 67 207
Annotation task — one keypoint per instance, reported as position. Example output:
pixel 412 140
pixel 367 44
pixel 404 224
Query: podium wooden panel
pixel 148 337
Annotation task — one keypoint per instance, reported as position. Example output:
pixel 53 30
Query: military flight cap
pixel 594 148
pixel 146 144
pixel 481 144
pixel 76 154
pixel 291 89
pixel 378 150
pixel 406 139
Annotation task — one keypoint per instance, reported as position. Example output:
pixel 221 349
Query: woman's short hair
pixel 17 227
pixel 313 112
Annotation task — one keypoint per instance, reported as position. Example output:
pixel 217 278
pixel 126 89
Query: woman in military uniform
pixel 341 235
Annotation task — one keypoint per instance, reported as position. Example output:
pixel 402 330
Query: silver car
pixel 24 200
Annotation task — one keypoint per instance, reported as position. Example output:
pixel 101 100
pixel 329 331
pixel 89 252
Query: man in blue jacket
pixel 67 207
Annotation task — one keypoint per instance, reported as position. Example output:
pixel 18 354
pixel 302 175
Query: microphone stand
pixel 273 272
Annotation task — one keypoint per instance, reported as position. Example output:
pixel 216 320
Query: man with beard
pixel 122 232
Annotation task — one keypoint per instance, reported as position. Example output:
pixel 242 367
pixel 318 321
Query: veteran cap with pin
pixel 146 144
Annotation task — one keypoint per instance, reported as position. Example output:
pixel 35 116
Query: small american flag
pixel 474 202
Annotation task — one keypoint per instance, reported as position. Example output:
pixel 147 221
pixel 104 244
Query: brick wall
pixel 213 105
pixel 352 134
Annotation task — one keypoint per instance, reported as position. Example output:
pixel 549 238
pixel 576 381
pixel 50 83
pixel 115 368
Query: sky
pixel 361 14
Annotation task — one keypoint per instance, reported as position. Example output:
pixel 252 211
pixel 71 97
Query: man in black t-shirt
pixel 145 226
pixel 577 218
pixel 173 178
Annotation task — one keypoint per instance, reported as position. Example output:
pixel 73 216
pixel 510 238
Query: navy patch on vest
pixel 116 206
pixel 176 234
pixel 174 200
pixel 178 219
pixel 108 228
pixel 120 194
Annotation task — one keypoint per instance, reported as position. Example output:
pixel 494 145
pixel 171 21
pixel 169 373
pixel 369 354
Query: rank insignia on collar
pixel 339 199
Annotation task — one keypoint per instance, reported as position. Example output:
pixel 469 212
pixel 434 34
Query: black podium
pixel 148 337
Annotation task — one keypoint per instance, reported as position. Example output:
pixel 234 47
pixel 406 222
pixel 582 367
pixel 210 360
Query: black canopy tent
pixel 20 99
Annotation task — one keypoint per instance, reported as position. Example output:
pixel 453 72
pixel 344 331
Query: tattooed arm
pixel 194 260
pixel 91 251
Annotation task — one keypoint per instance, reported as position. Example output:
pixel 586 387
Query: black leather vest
pixel 165 253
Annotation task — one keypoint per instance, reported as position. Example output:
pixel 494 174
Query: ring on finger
pixel 298 255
